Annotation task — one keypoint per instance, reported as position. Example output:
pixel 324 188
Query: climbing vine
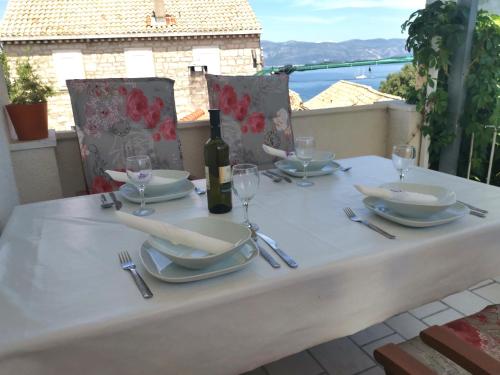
pixel 434 33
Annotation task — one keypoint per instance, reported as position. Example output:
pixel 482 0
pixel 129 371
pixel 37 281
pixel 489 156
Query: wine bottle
pixel 217 168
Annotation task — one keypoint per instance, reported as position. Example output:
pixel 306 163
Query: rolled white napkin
pixel 174 234
pixel 275 152
pixel 122 177
pixel 401 196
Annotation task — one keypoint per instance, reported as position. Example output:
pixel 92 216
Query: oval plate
pixel 452 213
pixel 159 266
pixel 179 190
pixel 290 168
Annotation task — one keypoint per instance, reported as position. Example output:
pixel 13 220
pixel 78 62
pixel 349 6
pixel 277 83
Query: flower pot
pixel 30 120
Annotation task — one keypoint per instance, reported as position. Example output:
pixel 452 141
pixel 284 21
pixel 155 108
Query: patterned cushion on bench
pixel 255 110
pixel 116 118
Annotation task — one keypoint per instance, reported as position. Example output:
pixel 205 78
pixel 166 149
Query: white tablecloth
pixel 66 307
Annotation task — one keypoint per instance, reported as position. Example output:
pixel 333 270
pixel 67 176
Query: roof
pixel 296 102
pixel 88 19
pixel 345 94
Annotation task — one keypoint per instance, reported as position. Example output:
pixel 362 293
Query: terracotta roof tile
pixel 346 94
pixel 37 19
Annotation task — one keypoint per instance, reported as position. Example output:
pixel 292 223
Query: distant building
pixel 178 39
pixel 346 94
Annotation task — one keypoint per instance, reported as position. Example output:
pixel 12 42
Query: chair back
pixel 255 110
pixel 116 118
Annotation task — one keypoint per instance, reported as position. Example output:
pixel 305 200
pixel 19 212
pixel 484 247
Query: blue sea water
pixel 311 83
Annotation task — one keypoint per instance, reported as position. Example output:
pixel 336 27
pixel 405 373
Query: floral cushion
pixel 255 110
pixel 116 118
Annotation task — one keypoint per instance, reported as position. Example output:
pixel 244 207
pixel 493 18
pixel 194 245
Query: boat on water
pixel 361 76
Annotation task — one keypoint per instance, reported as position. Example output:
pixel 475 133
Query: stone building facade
pixel 229 36
pixel 106 59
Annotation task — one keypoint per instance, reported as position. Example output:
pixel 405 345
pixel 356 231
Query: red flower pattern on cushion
pixel 122 90
pixel 101 184
pixel 227 99
pixel 241 110
pixel 157 137
pixel 256 122
pixel 466 332
pixel 152 118
pixel 137 104
pixel 244 129
pixel 158 104
pixel 167 129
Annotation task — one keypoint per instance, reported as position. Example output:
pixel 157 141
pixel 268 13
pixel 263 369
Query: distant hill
pixel 294 52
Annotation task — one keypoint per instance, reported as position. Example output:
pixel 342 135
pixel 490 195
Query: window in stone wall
pixel 207 56
pixel 68 65
pixel 139 63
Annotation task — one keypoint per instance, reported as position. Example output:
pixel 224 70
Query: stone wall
pixel 105 59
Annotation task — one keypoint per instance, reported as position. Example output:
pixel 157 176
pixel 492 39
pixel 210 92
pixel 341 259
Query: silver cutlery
pixel 118 203
pixel 264 254
pixel 477 213
pixel 271 176
pixel 273 245
pixel 345 169
pixel 105 203
pixel 353 217
pixel 128 265
pixel 199 191
pixel 473 208
pixel 277 174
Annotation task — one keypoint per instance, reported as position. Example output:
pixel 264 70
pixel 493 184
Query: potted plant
pixel 28 111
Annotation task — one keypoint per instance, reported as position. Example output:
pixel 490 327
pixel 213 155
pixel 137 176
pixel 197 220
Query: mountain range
pixel 294 52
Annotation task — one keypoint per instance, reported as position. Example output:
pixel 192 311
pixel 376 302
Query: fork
pixel 353 217
pixel 345 169
pixel 128 265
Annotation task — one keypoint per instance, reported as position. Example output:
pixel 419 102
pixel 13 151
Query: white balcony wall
pixel 8 190
pixel 348 132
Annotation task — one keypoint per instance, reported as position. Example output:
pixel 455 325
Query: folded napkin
pixel 401 196
pixel 174 234
pixel 122 177
pixel 275 152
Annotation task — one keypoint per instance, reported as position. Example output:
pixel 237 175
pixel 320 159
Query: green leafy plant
pixel 5 67
pixel 434 34
pixel 28 87
pixel 401 84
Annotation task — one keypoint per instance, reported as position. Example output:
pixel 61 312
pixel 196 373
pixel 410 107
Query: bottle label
pixel 207 177
pixel 225 174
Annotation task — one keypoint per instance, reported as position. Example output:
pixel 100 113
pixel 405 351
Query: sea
pixel 310 83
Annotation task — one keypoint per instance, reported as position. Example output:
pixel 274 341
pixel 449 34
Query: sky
pixel 333 20
pixel 328 20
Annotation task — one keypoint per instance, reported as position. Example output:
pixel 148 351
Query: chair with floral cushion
pixel 255 110
pixel 116 118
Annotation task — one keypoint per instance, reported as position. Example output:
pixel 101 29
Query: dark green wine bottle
pixel 217 168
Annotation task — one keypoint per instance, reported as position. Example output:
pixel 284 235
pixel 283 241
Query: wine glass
pixel 140 172
pixel 403 158
pixel 245 184
pixel 304 150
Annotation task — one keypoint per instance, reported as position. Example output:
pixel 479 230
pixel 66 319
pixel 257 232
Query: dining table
pixel 67 307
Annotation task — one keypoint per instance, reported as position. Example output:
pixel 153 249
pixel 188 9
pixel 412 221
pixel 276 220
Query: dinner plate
pixel 237 234
pixel 291 169
pixel 319 160
pixel 452 213
pixel 159 266
pixel 173 177
pixel 176 191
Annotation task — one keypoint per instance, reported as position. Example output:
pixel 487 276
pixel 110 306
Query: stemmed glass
pixel 304 150
pixel 140 172
pixel 245 184
pixel 403 158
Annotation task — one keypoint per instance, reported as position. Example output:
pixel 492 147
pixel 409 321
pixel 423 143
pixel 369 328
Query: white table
pixel 67 308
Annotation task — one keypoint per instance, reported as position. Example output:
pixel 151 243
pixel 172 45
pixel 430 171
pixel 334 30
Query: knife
pixel 286 178
pixel 118 204
pixel 273 245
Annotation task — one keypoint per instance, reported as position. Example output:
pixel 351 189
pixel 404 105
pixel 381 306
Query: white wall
pixel 8 191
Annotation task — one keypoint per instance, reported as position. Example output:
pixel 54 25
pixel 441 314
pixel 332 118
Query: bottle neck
pixel 214 123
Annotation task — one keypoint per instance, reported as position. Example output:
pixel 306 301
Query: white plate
pixel 452 213
pixel 176 191
pixel 164 269
pixel 290 168
pixel 320 159
pixel 173 175
pixel 196 258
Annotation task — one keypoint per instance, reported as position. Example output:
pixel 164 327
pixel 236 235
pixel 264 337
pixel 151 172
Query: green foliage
pixel 434 33
pixel 28 87
pixel 401 84
pixel 5 67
